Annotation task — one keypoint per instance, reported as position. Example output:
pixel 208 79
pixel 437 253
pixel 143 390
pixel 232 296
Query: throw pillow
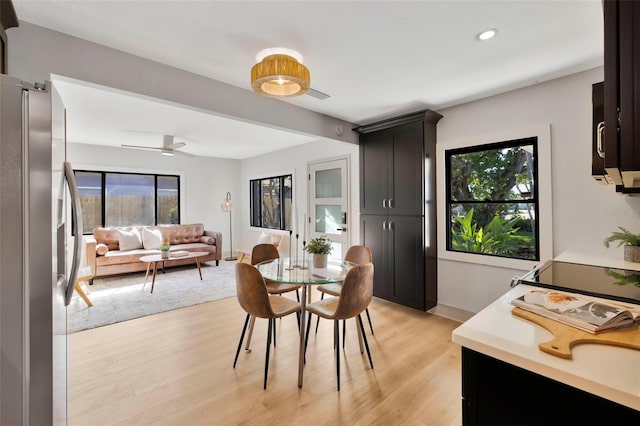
pixel 265 238
pixel 101 249
pixel 207 239
pixel 129 240
pixel 151 238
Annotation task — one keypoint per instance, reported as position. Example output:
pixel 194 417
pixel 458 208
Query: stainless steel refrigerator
pixel 39 205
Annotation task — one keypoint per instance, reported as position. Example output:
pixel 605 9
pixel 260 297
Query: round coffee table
pixel 155 259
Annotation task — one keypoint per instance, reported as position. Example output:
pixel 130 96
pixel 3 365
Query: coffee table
pixel 155 259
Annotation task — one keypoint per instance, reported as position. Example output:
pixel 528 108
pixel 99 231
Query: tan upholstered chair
pixel 264 238
pixel 261 253
pixel 254 299
pixel 355 296
pixel 358 255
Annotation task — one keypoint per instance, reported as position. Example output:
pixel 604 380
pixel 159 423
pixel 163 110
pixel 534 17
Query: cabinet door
pixel 407 189
pixel 406 260
pixel 629 89
pixel 374 236
pixel 375 171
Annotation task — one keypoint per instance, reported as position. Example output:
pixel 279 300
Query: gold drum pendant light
pixel 280 75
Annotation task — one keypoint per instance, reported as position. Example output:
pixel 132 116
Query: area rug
pixel 122 297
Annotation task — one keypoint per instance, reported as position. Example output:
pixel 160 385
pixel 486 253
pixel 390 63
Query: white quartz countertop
pixel 607 371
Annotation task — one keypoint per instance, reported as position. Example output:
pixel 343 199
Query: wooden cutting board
pixel 565 337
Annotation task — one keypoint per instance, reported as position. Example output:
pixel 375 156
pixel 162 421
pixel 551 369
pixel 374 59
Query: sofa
pixel 117 250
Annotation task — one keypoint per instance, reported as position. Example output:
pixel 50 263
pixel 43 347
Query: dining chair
pixel 355 296
pixel 258 303
pixel 261 253
pixel 358 255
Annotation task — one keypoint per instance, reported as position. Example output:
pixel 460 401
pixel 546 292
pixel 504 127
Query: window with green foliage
pixel 125 199
pixel 271 200
pixel 492 199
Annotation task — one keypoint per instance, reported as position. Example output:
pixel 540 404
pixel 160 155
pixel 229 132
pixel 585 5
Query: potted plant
pixel 630 241
pixel 164 248
pixel 320 248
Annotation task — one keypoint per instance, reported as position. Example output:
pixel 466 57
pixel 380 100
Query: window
pixel 492 199
pixel 126 199
pixel 271 200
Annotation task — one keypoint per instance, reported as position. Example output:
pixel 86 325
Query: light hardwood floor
pixel 175 368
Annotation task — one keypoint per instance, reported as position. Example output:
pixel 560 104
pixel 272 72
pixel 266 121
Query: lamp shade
pixel 280 75
pixel 227 204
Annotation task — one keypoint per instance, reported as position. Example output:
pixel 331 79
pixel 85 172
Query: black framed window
pixel 492 199
pixel 127 199
pixel 271 201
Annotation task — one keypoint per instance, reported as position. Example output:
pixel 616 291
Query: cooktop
pixel 598 281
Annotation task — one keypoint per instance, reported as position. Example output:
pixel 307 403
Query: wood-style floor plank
pixel 175 368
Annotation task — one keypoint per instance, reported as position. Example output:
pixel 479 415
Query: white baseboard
pixel 451 313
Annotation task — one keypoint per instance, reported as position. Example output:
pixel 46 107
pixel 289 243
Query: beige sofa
pixel 118 250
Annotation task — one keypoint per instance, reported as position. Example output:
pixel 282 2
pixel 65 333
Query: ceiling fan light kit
pixel 280 75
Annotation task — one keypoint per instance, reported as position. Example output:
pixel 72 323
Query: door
pixel 373 234
pixel 329 204
pixel 406 195
pixel 406 260
pixel 376 151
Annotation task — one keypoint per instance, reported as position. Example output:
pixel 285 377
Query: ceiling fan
pixel 169 146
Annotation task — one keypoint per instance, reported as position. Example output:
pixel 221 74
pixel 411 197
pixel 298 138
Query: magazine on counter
pixel 576 310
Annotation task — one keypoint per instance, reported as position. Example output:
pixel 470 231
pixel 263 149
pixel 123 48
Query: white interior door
pixel 329 203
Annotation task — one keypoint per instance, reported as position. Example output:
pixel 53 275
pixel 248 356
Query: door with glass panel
pixel 329 203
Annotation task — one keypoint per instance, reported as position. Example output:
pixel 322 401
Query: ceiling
pixel 376 59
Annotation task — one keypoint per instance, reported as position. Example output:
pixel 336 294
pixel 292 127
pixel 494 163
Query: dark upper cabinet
pixel 622 92
pixel 392 171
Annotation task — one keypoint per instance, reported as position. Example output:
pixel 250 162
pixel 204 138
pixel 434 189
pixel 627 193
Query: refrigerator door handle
pixel 76 220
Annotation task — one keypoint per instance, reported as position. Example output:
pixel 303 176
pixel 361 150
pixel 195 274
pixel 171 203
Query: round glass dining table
pixel 286 271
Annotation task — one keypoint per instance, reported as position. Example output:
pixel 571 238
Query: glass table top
pixel 283 271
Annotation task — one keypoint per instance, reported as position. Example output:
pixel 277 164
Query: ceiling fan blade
pixel 175 145
pixel 184 154
pixel 140 147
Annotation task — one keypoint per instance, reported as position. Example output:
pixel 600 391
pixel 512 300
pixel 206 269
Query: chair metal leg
pixel 244 328
pixel 344 332
pixel 306 338
pixel 298 295
pixel 266 361
pixel 369 319
pixel 336 345
pixel 274 332
pixel 318 321
pixel 366 344
pixel 251 324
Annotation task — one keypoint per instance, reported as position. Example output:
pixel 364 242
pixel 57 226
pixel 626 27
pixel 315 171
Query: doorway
pixel 329 203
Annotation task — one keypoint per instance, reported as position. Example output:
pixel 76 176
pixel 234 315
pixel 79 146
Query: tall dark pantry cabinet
pixel 398 207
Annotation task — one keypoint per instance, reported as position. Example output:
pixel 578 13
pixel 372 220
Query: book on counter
pixel 576 310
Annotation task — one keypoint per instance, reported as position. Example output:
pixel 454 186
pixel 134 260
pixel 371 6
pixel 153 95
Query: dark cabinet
pixel 622 92
pixel 397 247
pixel 397 206
pixel 497 393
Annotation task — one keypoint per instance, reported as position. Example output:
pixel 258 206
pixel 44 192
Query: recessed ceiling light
pixel 486 35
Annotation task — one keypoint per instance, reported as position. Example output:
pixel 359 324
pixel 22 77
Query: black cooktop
pixel 598 281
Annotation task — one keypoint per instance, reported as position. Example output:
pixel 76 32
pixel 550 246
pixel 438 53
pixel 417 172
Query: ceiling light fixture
pixel 280 73
pixel 486 35
pixel 166 152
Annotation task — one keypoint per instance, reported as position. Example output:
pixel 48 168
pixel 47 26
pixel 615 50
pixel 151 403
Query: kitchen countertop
pixel 606 371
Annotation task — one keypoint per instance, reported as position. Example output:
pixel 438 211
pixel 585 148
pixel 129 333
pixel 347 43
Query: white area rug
pixel 121 297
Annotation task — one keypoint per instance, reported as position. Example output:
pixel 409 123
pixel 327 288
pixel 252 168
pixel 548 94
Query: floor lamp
pixel 227 206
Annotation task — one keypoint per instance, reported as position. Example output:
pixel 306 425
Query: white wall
pixel 204 180
pixel 294 160
pixel 584 212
